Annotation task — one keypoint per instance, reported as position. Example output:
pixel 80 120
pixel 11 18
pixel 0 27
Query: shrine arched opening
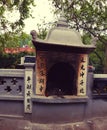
pixel 61 80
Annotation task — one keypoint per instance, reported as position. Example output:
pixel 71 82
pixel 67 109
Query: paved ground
pixel 92 124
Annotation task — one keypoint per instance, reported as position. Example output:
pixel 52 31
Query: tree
pixel 43 29
pixel 10 31
pixel 88 17
pixel 14 49
pixel 25 39
pixel 21 10
pixel 97 57
pixel 14 41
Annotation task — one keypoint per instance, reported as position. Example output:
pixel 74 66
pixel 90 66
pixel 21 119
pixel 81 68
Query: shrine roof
pixel 61 36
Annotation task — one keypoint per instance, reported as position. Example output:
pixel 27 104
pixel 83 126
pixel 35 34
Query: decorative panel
pixel 13 86
pixel 99 89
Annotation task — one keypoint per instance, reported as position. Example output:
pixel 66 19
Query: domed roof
pixel 63 36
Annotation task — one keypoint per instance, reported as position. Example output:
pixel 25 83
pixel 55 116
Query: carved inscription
pixel 28 90
pixel 41 73
pixel 82 75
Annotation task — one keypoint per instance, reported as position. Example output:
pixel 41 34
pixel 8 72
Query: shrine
pixel 54 89
pixel 61 62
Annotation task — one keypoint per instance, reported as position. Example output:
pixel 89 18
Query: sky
pixel 42 10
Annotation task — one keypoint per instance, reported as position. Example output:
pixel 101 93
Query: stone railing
pixel 99 89
pixel 12 84
pixel 18 84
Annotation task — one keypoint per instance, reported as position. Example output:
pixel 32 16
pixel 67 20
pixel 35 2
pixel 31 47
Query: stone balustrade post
pixel 28 81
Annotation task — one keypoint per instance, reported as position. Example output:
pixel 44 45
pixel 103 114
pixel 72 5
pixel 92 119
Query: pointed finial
pixel 62 22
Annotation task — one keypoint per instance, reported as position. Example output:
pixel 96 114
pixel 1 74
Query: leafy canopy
pixel 11 27
pixel 21 10
pixel 89 17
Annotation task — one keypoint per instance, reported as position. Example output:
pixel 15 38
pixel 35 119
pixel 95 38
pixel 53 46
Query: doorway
pixel 60 80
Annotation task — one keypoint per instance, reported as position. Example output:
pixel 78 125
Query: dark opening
pixel 60 80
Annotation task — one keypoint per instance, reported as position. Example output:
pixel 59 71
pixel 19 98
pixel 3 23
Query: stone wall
pixel 18 99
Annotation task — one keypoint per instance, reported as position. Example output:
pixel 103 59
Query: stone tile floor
pixel 92 124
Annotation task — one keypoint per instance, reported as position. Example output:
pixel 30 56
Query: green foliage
pixel 13 40
pixel 90 18
pixel 43 29
pixel 25 39
pixel 97 58
pixel 11 34
pixel 22 7
pixel 42 32
pixel 87 15
pixel 86 38
pixel 11 60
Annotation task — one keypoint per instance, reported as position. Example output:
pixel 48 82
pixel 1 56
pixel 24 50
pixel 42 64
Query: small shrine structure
pixel 55 88
pixel 61 63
